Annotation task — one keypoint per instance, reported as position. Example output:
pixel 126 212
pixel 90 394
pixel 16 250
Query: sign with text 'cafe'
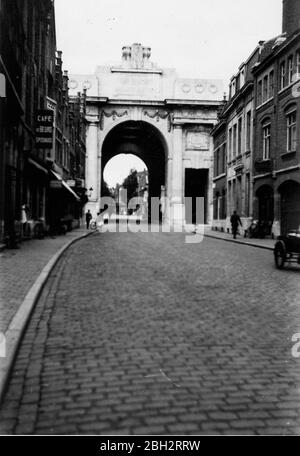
pixel 44 129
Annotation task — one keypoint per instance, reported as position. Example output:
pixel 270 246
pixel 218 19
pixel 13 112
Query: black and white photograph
pixel 149 221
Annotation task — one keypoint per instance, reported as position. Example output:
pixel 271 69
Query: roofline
pixel 230 105
pixel 245 62
pixel 289 41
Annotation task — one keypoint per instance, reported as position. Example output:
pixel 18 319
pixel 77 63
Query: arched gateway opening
pixel 146 142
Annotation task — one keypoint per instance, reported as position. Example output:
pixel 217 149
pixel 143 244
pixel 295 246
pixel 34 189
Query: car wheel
pixel 280 255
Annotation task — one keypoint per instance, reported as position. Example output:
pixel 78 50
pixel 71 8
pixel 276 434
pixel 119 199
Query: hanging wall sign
pixel 44 129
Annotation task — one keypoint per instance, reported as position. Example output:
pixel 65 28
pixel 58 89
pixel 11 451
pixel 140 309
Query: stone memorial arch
pixel 138 108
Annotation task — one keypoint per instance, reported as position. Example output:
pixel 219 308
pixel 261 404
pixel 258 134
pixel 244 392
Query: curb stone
pixel 236 241
pixel 17 326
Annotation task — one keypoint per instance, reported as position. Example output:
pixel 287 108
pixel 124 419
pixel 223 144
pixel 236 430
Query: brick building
pixel 233 149
pixel 66 158
pixel 34 84
pixel 276 173
pixel 219 134
pixel 259 130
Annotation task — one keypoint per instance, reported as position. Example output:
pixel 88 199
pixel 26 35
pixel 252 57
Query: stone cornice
pixel 136 70
pixel 179 102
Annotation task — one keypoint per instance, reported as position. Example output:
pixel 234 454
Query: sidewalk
pixel 20 268
pixel 267 244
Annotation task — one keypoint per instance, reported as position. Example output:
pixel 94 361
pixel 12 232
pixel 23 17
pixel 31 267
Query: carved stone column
pixel 177 177
pixel 93 175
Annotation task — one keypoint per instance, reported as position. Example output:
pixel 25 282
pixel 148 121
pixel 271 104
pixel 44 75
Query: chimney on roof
pixel 290 16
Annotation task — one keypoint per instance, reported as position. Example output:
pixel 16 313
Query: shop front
pixel 64 206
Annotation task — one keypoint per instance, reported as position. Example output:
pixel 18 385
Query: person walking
pixel 235 222
pixel 88 218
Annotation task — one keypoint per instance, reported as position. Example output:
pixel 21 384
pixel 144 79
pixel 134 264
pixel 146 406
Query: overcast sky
pixel 200 38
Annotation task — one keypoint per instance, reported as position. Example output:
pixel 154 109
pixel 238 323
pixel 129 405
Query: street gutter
pixel 236 241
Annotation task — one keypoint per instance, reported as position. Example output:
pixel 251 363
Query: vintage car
pixel 287 249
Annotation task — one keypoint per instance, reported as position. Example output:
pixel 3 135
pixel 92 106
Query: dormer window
pixel 238 82
pixel 233 87
pixel 242 77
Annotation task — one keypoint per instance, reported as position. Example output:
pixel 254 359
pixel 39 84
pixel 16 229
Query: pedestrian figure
pixel 88 218
pixel 235 222
pixel 24 219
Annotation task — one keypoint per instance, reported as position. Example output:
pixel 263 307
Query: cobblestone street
pixel 145 334
pixel 19 268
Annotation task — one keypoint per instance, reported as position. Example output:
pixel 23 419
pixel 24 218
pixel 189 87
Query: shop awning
pixel 64 183
pixel 37 165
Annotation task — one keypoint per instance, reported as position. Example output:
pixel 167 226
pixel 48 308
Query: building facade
pixel 27 61
pixel 260 128
pixel 66 157
pixel 219 134
pixel 34 88
pixel 276 171
pixel 233 146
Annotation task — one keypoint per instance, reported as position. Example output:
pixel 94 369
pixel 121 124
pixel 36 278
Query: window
pixel 240 126
pixel 230 144
pixel 271 84
pixel 298 64
pixel 234 141
pixel 238 82
pixel 290 69
pixel 223 159
pixel 291 131
pixel 259 93
pixel 266 141
pixel 216 162
pixel 265 88
pixel 233 88
pixel 282 75
pixel 242 77
pixel 248 137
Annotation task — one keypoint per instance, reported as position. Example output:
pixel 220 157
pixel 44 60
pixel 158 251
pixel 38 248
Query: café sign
pixel 44 129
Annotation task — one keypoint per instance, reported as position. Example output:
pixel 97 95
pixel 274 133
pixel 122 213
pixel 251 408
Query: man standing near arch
pixel 235 222
pixel 88 218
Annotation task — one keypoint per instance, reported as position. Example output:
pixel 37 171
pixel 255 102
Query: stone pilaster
pixel 177 177
pixel 93 174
